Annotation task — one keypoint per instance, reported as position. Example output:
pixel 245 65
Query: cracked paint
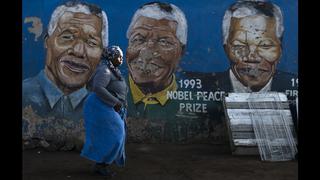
pixel 64 134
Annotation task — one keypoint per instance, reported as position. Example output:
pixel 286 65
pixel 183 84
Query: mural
pixel 181 57
pixel 252 39
pixel 54 98
pixel 157 36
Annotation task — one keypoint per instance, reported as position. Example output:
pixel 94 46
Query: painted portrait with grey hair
pixel 157 36
pixel 53 99
pixel 252 40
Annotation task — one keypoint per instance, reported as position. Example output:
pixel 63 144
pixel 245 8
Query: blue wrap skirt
pixel 104 132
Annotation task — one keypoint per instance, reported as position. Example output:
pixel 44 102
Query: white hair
pixel 154 11
pixel 79 8
pixel 244 8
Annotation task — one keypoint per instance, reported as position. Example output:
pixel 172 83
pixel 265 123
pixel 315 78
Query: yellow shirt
pixel 159 97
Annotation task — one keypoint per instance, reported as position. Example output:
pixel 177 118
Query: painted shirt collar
pixel 54 94
pixel 159 97
pixel 239 87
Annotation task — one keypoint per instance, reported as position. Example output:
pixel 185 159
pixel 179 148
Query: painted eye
pixel 92 43
pixel 164 42
pixel 138 39
pixel 239 46
pixel 266 44
pixel 67 37
pixel 241 50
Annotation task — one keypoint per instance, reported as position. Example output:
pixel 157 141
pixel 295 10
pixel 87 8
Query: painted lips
pixel 252 71
pixel 145 67
pixel 75 66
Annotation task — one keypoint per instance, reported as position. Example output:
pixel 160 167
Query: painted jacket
pixel 50 115
pixel 182 116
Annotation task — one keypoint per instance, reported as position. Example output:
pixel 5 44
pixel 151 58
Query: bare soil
pixel 159 162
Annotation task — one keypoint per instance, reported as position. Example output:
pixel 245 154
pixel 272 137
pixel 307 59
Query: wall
pixel 193 113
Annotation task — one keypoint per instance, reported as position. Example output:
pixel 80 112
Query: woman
pixel 104 113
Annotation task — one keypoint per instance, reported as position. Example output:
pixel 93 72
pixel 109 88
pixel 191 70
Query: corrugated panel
pixel 275 135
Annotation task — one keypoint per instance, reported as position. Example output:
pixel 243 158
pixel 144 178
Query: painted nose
pixel 148 54
pixel 253 56
pixel 79 49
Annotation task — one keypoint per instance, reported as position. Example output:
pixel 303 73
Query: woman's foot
pixel 102 169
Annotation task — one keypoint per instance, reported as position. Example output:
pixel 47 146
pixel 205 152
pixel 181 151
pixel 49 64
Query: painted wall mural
pixel 181 58
pixel 74 42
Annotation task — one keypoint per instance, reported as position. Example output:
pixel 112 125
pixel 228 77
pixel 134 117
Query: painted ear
pixel 279 58
pixel 225 47
pixel 46 37
pixel 183 50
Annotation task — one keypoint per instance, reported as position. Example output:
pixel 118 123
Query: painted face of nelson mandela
pixel 74 47
pixel 155 47
pixel 253 42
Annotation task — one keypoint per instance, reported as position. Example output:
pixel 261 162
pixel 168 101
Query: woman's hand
pixel 117 107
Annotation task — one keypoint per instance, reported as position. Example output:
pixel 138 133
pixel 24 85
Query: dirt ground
pixel 160 162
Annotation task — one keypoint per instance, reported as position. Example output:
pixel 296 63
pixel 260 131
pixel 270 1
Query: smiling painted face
pixel 253 49
pixel 74 50
pixel 153 52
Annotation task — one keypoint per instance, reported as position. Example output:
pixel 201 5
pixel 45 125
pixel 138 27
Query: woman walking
pixel 104 114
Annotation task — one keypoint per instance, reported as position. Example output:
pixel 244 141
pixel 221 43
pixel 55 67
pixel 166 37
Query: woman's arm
pixel 100 82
